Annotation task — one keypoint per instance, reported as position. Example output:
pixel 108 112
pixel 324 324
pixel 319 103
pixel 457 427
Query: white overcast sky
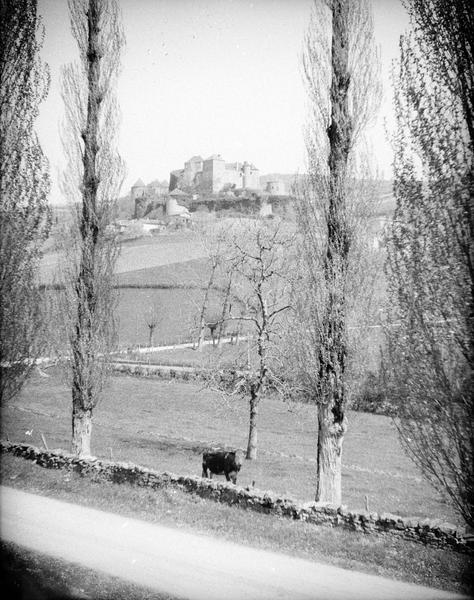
pixel 209 76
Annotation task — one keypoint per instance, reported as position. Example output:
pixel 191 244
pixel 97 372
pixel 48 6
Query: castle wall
pixel 276 188
pixel 214 174
pixel 175 179
pixel 191 168
pixel 233 175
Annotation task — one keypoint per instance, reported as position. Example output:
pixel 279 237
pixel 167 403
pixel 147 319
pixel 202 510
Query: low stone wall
pixel 434 533
pixel 225 377
pixel 142 369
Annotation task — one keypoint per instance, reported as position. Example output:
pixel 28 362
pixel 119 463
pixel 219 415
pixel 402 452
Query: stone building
pixel 145 196
pixel 275 187
pixel 152 191
pixel 213 174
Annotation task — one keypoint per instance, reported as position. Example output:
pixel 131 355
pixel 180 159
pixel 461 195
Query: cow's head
pixel 239 459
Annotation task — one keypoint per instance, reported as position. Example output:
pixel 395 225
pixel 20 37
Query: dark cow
pixel 221 462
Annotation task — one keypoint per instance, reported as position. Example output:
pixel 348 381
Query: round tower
pixel 138 189
pixel 246 175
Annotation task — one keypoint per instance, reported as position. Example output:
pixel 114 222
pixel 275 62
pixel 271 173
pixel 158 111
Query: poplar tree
pixel 92 183
pixel 340 64
pixel 24 187
pixel 430 265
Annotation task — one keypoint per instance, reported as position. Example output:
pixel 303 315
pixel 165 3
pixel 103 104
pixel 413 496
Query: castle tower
pixel 138 189
pixel 246 175
pixel 191 168
pixel 213 173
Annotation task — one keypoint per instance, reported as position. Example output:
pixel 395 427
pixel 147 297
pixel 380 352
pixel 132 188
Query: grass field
pixel 236 355
pixel 166 425
pixel 166 274
pixel 143 253
pixel 189 273
pixel 163 249
pixel 178 311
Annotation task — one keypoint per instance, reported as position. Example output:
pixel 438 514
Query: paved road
pixel 183 564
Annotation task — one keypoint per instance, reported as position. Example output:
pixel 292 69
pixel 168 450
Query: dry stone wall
pixel 434 533
pixel 161 371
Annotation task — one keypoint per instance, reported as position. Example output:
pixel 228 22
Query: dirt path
pixel 179 563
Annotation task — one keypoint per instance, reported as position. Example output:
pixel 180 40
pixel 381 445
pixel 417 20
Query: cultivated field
pixel 166 425
pixel 142 253
pixel 174 291
pixel 166 274
pixel 178 313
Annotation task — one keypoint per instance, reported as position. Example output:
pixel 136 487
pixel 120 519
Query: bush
pixel 371 396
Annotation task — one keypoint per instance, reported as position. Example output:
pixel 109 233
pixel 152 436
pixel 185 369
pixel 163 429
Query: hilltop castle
pixel 202 178
pixel 213 175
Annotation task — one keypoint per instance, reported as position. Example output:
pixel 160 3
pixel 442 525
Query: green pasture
pixel 135 255
pixel 178 313
pixel 166 426
pixel 173 291
pixel 236 355
pixel 185 274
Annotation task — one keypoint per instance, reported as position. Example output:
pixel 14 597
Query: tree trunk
pixel 225 308
pixel 150 336
pixel 329 459
pixel 252 441
pixel 202 318
pixel 81 432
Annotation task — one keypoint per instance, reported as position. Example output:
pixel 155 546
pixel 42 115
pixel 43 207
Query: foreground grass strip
pixel 30 575
pixel 169 506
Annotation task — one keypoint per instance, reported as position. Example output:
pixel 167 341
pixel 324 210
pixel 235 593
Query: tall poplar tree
pixel 24 187
pixel 341 72
pixel 92 183
pixel 431 248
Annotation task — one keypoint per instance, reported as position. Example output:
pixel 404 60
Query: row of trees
pixel 430 257
pixel 91 183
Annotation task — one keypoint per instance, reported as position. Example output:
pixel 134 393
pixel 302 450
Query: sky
pixel 210 77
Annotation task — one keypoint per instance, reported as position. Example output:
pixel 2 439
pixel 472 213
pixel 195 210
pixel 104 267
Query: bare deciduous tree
pixel 152 320
pixel 341 67
pixel 24 186
pixel 431 249
pixel 255 261
pixel 92 183
pixel 213 241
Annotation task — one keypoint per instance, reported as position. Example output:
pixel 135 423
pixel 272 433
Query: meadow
pixel 175 292
pixel 141 253
pixel 166 426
